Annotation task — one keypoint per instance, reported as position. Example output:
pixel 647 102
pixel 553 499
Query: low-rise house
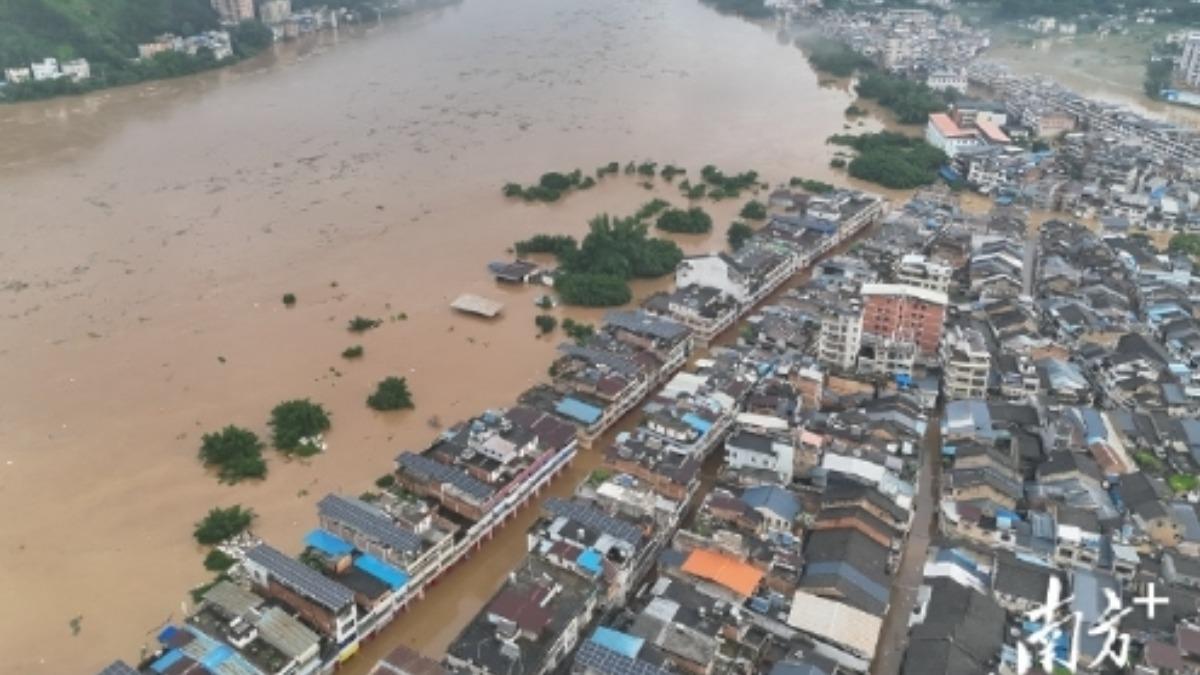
pixel 325 604
pixel 530 626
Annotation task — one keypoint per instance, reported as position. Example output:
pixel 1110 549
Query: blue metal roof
pixel 591 560
pixel 696 422
pixel 381 571
pixel 848 572
pixel 621 643
pixel 774 498
pixel 578 410
pixel 328 543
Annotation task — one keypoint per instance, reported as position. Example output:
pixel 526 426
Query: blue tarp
pixel 615 640
pixel 949 174
pixel 696 422
pixel 166 660
pixel 381 571
pixel 167 633
pixel 328 543
pixel 591 560
pixel 949 450
pixel 578 410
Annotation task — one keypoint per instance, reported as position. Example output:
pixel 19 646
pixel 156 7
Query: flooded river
pixel 148 234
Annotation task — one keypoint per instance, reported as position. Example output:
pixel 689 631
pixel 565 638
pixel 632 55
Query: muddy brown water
pixel 148 234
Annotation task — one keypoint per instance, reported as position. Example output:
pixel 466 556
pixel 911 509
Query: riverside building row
pixel 372 556
pixel 775 559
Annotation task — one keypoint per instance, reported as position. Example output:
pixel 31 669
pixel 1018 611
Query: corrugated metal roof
pixel 836 622
pixel 283 632
pixel 232 599
pixel 729 572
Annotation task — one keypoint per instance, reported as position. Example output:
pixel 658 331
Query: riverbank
pixel 153 229
pixel 1105 67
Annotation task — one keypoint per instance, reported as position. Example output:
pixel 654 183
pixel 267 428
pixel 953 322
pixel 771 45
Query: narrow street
pixel 893 637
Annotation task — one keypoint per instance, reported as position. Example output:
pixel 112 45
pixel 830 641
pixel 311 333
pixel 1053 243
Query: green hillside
pixel 105 32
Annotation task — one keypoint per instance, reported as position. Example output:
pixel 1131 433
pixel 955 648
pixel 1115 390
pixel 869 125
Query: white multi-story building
pixel 1189 63
pixel 915 269
pixel 753 451
pixel 943 133
pixel 17 75
pixel 78 69
pixel 46 70
pixel 950 78
pixel 966 363
pixel 840 336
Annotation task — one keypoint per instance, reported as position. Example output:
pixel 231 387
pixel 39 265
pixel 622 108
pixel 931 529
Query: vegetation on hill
pixel 107 34
pixel 892 160
pixel 222 523
pixel 391 394
pixel 295 423
pixel 235 453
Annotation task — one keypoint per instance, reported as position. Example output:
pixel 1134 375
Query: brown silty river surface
pixel 149 233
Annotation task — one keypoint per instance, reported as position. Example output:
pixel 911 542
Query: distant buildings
pixel 945 134
pixel 48 68
pixel 234 11
pixel 1189 63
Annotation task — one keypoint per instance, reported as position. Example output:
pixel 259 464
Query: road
pixel 889 653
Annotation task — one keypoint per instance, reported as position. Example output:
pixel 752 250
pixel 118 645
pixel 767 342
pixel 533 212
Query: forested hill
pixel 102 31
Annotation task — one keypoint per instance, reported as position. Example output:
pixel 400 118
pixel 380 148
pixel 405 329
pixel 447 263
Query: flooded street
pixel 149 233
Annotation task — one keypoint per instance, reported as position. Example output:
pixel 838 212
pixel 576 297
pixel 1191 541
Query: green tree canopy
pixel 738 234
pixel 292 422
pixel 222 523
pixel 691 221
pixel 391 394
pixel 236 454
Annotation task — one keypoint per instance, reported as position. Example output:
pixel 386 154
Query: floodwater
pixel 1109 68
pixel 149 233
